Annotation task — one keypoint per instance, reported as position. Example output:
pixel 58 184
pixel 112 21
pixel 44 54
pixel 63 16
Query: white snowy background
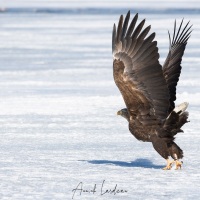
pixel 58 103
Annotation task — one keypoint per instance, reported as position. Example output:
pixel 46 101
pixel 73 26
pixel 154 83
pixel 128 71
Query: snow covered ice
pixel 58 103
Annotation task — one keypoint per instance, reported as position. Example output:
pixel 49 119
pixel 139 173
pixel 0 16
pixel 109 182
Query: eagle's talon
pixel 178 164
pixel 169 165
pixel 167 168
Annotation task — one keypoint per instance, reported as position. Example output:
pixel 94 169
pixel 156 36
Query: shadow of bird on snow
pixel 144 163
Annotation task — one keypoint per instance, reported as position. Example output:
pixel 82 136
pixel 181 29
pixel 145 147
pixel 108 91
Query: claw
pixel 169 164
pixel 178 164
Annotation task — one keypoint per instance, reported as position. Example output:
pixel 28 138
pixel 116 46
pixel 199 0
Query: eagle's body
pixel 148 89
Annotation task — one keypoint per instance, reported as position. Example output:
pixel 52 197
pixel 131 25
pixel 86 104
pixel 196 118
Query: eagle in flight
pixel 148 89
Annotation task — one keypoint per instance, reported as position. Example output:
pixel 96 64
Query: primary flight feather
pixel 148 89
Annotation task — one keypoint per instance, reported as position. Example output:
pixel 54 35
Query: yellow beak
pixel 119 113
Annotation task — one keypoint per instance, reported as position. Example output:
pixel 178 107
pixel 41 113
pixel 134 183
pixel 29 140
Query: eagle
pixel 149 89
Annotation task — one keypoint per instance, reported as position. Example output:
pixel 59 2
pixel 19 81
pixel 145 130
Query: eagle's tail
pixel 176 119
pixel 172 125
pixel 181 108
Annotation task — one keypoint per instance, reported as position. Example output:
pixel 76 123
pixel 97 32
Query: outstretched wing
pixel 137 72
pixel 172 66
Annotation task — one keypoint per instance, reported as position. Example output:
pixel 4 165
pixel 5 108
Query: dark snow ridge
pixel 101 11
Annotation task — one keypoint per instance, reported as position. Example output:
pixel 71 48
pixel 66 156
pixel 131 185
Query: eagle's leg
pixel 169 164
pixel 176 153
pixel 161 147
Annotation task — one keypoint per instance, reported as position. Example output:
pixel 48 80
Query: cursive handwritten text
pixel 103 189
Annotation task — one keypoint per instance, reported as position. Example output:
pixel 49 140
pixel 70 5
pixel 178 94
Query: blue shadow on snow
pixel 144 163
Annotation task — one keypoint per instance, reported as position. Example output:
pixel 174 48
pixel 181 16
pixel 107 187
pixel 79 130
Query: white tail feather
pixel 182 107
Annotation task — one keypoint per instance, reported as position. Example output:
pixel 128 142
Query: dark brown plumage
pixel 148 90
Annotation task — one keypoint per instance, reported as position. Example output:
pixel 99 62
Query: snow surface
pixel 58 104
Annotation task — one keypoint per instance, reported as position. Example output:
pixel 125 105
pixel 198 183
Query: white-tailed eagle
pixel 148 89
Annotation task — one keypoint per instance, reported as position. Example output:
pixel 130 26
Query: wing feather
pixel 125 25
pixel 145 46
pixel 113 38
pixel 172 66
pixel 119 28
pixel 131 26
pixel 137 72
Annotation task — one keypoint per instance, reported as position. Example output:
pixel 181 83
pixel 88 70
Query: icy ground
pixel 58 105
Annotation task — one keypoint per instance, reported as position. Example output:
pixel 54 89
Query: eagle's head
pixel 124 113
